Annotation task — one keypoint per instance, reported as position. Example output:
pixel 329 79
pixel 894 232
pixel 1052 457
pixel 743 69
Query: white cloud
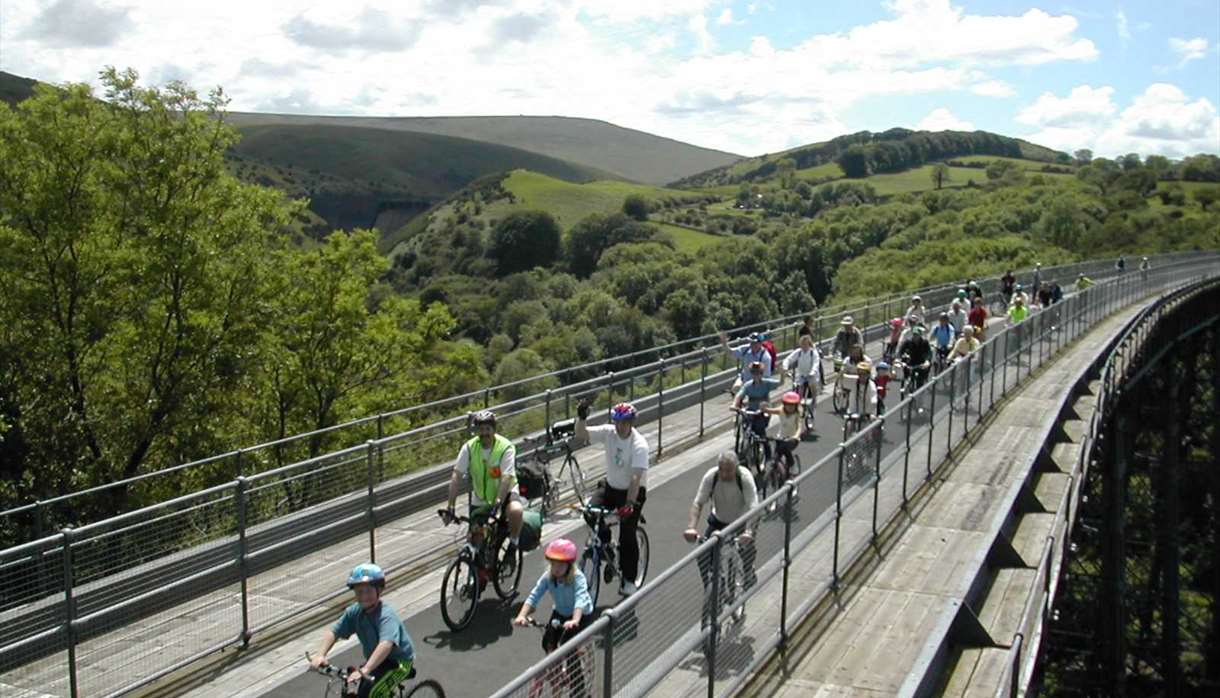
pixel 1162 120
pixel 1124 29
pixel 698 27
pixel 1188 50
pixel 943 120
pixel 726 17
pixel 1085 104
pixel 993 88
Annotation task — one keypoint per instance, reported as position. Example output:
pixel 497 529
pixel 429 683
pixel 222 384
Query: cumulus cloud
pixel 519 27
pixel 943 120
pixel 1188 50
pixel 371 30
pixel 1162 120
pixel 993 88
pixel 1084 105
pixel 80 23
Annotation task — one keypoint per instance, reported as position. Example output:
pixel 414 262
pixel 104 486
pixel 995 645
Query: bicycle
pixel 998 306
pixel 751 450
pixel 732 588
pixel 466 577
pixel 845 385
pixel 855 461
pixel 423 689
pixel 599 560
pixel 808 407
pixel 913 378
pixel 556 442
pixel 773 477
pixel 576 673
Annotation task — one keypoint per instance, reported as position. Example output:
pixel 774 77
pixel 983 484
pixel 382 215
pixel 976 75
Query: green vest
pixel 484 486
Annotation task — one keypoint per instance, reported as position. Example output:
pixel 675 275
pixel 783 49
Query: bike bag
pixel 531 530
pixel 531 481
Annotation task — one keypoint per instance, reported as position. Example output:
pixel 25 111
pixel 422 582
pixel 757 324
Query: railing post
pixel 69 613
pixel 486 398
pixel 931 387
pixel 714 616
pixel 952 402
pixel 610 393
pixel 608 658
pixel 660 404
pixel 702 387
pixel 969 364
pixel 1004 381
pixel 783 599
pixel 877 471
pixel 906 456
pixel 243 568
pixel 370 503
pixel 546 423
pixel 834 576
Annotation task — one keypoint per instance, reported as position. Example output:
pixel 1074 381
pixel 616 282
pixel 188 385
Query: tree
pixel 1083 156
pixel 854 161
pixel 595 234
pixel 1005 172
pixel 133 273
pixel 940 174
pixel 636 206
pixel 1206 196
pixel 524 240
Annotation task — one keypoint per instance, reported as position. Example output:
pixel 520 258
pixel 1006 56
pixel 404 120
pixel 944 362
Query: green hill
pixel 14 88
pixel 624 153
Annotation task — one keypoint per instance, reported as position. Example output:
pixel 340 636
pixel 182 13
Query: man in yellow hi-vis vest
pixel 489 460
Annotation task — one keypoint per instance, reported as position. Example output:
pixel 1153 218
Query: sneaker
pixel 628 588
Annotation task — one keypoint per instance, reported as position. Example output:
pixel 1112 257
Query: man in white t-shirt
pixel 730 488
pixel 489 460
pixel 625 484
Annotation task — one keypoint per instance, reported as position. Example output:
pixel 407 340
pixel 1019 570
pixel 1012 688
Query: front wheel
pixel 507 569
pixel 578 481
pixel 839 399
pixel 591 566
pixel 427 688
pixel 459 594
pixel 641 539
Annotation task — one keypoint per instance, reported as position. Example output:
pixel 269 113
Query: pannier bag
pixel 531 530
pixel 531 483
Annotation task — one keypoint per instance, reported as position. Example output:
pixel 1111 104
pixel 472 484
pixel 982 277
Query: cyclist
pixel 847 335
pixel 958 317
pixel 806 328
pixel 1056 292
pixel 891 343
pixel 803 364
pixel 916 353
pixel 1018 311
pixel 1037 283
pixel 747 354
pixel 489 460
pixel 625 483
pixel 1083 282
pixel 1120 264
pixel 730 489
pixel 916 311
pixel 1019 292
pixel 978 318
pixel 965 345
pixel 1045 297
pixel 864 398
pixel 388 651
pixel 943 336
pixel 854 356
pixel 1007 283
pixel 791 428
pixel 1144 267
pixel 570 599
pixel 755 394
pixel 882 381
pixel 973 291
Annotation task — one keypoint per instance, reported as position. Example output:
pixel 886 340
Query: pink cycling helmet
pixel 896 323
pixel 622 412
pixel 562 550
pixel 791 398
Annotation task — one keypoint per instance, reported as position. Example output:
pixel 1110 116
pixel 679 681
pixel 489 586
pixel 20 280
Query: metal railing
pixel 221 549
pixel 45 516
pixel 671 635
pixel 1114 367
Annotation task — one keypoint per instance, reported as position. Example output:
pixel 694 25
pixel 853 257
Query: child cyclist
pixel 388 652
pixel 882 381
pixel 571 603
pixel 791 429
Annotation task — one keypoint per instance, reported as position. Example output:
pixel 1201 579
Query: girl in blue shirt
pixel 569 595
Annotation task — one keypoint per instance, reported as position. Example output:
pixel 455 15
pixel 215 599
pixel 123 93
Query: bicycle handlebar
pixel 458 518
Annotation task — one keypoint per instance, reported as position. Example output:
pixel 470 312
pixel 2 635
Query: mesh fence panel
pixel 33 609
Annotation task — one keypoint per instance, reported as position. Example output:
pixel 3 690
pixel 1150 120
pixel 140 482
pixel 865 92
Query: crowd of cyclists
pixel 917 342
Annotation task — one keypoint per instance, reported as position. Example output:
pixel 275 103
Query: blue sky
pixel 747 76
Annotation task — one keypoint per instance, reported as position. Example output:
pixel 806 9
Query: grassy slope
pixel 621 152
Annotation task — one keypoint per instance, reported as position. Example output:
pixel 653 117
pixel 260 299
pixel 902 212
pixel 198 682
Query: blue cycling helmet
pixel 883 366
pixel 622 412
pixel 757 336
pixel 366 573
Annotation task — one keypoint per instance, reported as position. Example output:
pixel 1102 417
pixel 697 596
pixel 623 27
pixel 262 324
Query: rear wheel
pixel 507 573
pixel 839 399
pixel 578 480
pixel 427 688
pixel 459 594
pixel 641 539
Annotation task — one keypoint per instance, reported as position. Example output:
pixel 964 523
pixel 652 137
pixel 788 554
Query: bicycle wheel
pixel 507 569
pixel 807 409
pixel 998 308
pixel 641 539
pixel 426 689
pixel 591 566
pixel 459 594
pixel 578 480
pixel 839 399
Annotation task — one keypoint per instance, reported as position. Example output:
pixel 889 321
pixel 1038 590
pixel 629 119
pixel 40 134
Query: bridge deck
pixel 891 623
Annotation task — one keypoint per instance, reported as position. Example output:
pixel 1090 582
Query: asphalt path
pixel 479 660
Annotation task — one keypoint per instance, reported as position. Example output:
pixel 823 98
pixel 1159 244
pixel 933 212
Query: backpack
pixel 770 347
pixel 716 480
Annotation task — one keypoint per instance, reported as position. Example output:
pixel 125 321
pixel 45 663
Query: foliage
pixel 636 206
pixel 524 240
pixel 592 236
pixel 940 174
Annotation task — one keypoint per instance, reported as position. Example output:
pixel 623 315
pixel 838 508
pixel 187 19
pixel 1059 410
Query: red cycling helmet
pixel 562 550
pixel 791 398
pixel 896 323
pixel 622 412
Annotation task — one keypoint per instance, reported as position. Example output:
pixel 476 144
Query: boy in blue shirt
pixel 388 651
